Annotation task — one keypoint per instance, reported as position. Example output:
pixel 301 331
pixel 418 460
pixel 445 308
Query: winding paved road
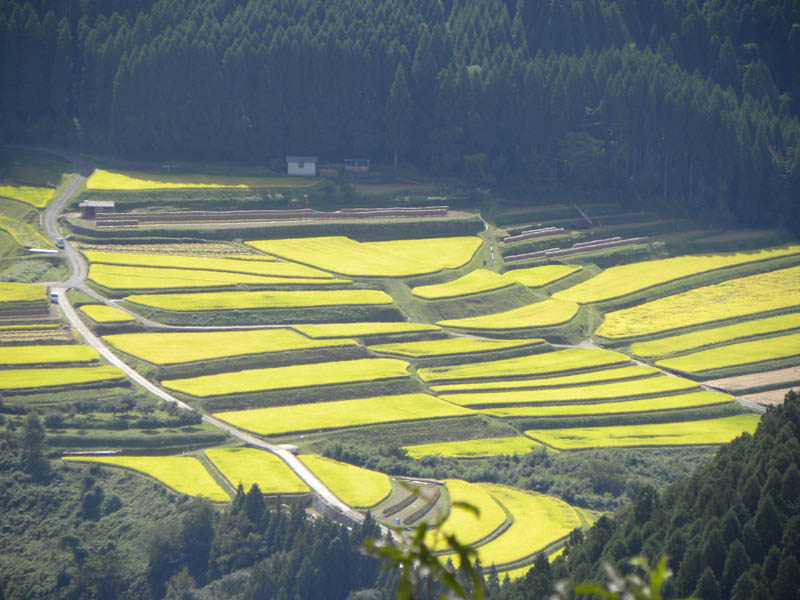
pixel 77 279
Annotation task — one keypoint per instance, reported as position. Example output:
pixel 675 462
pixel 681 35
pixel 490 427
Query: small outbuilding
pixel 92 208
pixel 356 165
pixel 301 165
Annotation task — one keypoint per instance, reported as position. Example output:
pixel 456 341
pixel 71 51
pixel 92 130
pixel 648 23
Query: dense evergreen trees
pixel 731 530
pixel 692 103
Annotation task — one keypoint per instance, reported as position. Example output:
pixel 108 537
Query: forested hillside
pixel 690 105
pixel 731 530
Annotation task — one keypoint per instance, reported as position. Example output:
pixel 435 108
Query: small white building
pixel 301 165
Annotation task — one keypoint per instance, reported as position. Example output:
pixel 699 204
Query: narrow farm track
pixel 290 459
pixel 78 280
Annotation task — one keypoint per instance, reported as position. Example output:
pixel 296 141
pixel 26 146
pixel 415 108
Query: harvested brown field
pixel 210 249
pixel 768 379
pixel 30 336
pixel 770 398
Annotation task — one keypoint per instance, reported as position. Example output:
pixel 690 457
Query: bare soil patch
pixel 766 380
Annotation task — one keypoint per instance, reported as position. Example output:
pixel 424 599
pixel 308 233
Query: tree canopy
pixel 689 104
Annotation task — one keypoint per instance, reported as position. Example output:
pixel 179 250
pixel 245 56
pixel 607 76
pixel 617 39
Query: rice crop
pixel 561 361
pixel 364 329
pixel 474 282
pixel 14 379
pixel 464 524
pixel 352 485
pixel 447 253
pixel 546 313
pixel 622 280
pixel 475 448
pixel 707 431
pixel 550 382
pixel 40 355
pixel 679 401
pixel 102 313
pixel 603 391
pixel 23 233
pixel 21 292
pixel 404 258
pixel 35 196
pixel 728 300
pixel 539 521
pixel 184 474
pixel 190 346
pixel 452 346
pixel 717 335
pixel 250 465
pixel 251 265
pixel 342 413
pixel 733 355
pixel 121 277
pixel 535 277
pixel 294 376
pixel 201 301
pixel 141 180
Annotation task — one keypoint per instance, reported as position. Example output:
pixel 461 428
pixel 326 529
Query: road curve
pixel 77 279
pixel 289 458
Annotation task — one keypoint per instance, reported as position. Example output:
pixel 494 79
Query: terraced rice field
pixel 47 335
pixel 622 280
pixel 735 355
pixel 190 346
pixel 475 448
pixel 352 485
pixel 403 258
pixel 464 524
pixel 449 252
pixel 474 282
pixel 342 413
pixel 546 313
pixel 250 265
pixel 33 195
pixel 605 391
pixel 294 376
pixel 206 249
pixel 601 376
pixel 41 355
pixel 676 402
pixel 766 379
pixel 24 235
pixel 562 361
pixel 201 301
pixel 717 335
pixel 539 521
pixel 121 277
pixel 365 329
pixel 732 299
pixel 535 277
pixel 141 180
pixel 250 465
pixel 101 313
pixel 21 292
pixel 452 347
pixel 184 474
pixel 16 379
pixel 704 432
